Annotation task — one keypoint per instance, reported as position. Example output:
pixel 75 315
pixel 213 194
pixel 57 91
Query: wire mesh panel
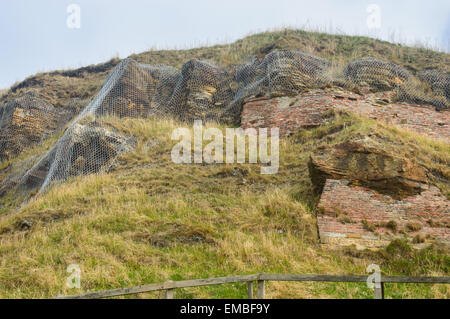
pixel 199 90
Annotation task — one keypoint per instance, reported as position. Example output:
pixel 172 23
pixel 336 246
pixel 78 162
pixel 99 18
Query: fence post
pixel 379 290
pixel 168 293
pixel 261 288
pixel 250 289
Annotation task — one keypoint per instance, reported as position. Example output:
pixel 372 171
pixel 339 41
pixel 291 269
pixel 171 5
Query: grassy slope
pixel 151 220
pixel 337 48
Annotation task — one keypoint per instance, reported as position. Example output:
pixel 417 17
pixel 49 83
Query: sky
pixel 35 36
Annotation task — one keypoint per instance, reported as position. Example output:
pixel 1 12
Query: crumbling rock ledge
pixel 28 120
pixel 292 113
pixel 369 197
pixel 363 161
pixel 350 214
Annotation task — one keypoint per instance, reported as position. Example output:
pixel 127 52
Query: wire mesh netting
pixel 200 90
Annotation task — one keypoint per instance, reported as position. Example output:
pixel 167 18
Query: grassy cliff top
pixel 59 87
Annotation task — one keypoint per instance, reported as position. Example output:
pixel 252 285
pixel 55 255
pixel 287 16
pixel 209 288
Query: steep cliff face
pixel 277 87
pixel 201 89
pixel 27 121
pixel 366 182
pixel 369 196
pixel 363 161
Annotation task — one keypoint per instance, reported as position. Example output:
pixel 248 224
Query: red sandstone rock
pixel 305 110
pixel 364 184
pixel 346 211
pixel 365 162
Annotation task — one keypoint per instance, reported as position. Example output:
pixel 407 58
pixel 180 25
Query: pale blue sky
pixel 34 35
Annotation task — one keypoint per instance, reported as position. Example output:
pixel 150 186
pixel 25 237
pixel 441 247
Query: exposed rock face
pixel 290 72
pixel 201 88
pixel 89 148
pixel 439 84
pixel 438 81
pixel 84 149
pixel 309 109
pixel 377 74
pixel 28 120
pixel 368 197
pixel 350 214
pixel 280 73
pixel 167 79
pixel 127 91
pixel 34 178
pixel 286 89
pixel 365 163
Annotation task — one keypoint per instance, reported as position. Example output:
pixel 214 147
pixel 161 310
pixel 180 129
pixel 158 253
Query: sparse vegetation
pixel 150 220
pixel 368 226
pixel 346 220
pixel 411 226
pixel 59 87
pixel 392 225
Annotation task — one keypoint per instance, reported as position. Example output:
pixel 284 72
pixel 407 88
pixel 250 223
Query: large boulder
pixel 28 120
pixel 280 73
pixel 376 74
pixel 364 162
pixel 289 72
pixel 83 149
pixel 201 89
pixel 127 92
pixel 438 81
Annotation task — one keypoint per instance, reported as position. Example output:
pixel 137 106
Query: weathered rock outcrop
pixel 309 109
pixel 369 196
pixel 438 81
pixel 84 149
pixel 434 89
pixel 201 89
pixel 376 74
pixel 287 89
pixel 28 120
pixel 127 91
pixel 364 162
pixel 351 214
pixel 280 73
pixel 287 72
pixel 167 78
pixel 291 72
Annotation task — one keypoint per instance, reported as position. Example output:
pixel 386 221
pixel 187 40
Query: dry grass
pixel 340 49
pixel 151 220
pixel 59 87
